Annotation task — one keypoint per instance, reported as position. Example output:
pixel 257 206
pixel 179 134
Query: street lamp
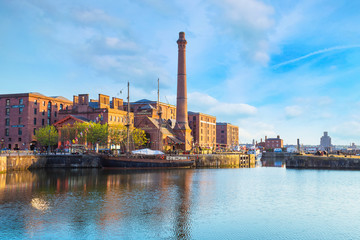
pixel 49 141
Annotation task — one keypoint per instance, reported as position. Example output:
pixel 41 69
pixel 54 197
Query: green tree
pixel 97 133
pixel 47 135
pixel 139 137
pixel 117 134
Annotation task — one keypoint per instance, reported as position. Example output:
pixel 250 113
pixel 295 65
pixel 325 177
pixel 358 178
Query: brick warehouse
pixel 203 129
pixel 227 135
pixel 21 114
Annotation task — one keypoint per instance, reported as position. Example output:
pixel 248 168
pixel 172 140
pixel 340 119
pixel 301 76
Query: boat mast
pixel 159 113
pixel 128 122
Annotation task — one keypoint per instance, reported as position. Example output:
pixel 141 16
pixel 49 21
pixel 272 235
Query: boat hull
pixel 124 162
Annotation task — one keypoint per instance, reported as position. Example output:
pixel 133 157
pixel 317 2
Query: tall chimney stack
pixel 182 127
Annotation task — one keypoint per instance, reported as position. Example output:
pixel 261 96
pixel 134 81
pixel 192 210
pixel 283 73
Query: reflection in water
pixel 39 204
pixel 257 203
pixel 108 200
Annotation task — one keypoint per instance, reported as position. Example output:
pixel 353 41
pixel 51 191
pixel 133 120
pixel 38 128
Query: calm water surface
pixel 261 203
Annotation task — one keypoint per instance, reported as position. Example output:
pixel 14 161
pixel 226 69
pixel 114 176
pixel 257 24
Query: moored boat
pixel 146 161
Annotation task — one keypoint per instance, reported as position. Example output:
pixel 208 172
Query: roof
pixel 94 104
pixel 81 118
pixel 143 101
pixel 146 107
pixel 199 113
pixel 175 140
pixel 60 98
pixel 77 118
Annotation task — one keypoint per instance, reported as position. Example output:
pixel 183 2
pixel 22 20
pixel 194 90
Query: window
pixel 43 112
pixel 110 118
pixel 20 119
pixel 34 131
pixel 49 114
pixel 6 131
pixel 21 101
pixel 55 114
pixel 43 103
pixel 7 102
pixel 35 111
pixel 19 131
pixel 19 139
pixel 7 111
pixel 21 110
pixel 34 121
pixel 61 107
pixel 49 105
pixel 7 121
pixel 35 102
pixel 43 122
pixel 48 121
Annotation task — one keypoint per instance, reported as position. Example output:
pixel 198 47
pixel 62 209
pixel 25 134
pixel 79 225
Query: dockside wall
pixel 15 163
pixel 231 160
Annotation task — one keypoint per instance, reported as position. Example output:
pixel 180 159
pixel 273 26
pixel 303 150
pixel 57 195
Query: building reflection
pixel 106 199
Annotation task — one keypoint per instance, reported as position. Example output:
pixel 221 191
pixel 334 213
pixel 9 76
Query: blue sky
pixel 288 68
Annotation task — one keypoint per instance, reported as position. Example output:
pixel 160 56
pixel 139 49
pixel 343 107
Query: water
pixel 260 203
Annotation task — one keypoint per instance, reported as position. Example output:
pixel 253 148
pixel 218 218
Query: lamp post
pixel 49 141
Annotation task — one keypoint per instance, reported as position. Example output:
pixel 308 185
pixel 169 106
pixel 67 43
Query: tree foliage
pixel 139 137
pixel 97 133
pixel 46 136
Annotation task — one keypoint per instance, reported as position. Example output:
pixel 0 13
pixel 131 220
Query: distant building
pixel 227 135
pixel 203 129
pixel 261 144
pixel 21 114
pixel 325 142
pixel 272 143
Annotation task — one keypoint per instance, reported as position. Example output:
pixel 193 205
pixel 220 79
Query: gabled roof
pixel 143 101
pixel 146 107
pixel 74 117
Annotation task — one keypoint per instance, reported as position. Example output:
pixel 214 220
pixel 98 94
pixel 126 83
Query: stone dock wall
pixel 295 161
pixel 269 158
pixel 15 163
pixel 235 160
pixel 317 162
pixel 23 162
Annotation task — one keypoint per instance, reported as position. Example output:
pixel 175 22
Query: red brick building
pixel 21 114
pixel 101 111
pixel 147 108
pixel 272 143
pixel 203 129
pixel 161 135
pixel 227 135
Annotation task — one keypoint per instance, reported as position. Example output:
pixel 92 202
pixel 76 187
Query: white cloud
pixel 116 43
pixel 209 105
pixel 250 22
pixel 326 50
pixel 293 111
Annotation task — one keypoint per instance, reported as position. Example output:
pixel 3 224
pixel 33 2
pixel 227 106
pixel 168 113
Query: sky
pixel 272 67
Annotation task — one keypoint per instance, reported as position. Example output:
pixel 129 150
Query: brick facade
pixel 272 143
pixel 21 114
pixel 203 129
pixel 227 135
